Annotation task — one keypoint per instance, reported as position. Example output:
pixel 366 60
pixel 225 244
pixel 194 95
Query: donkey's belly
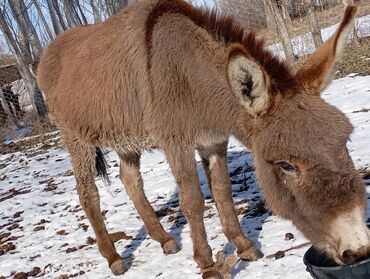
pixel 127 143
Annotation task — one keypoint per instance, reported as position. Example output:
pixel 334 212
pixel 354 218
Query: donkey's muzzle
pixel 351 257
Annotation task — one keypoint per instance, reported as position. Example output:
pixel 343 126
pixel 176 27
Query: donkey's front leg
pixel 131 178
pixel 215 163
pixel 184 169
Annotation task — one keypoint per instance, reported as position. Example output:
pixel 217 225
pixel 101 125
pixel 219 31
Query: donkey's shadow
pixel 246 194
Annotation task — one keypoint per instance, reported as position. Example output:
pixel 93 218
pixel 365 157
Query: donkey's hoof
pixel 170 247
pixel 251 254
pixel 212 275
pixel 118 267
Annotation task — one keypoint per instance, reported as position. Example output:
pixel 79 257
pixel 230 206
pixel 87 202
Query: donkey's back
pixel 97 74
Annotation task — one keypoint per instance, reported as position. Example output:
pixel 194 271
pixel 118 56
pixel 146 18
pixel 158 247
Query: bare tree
pixel 29 79
pixel 95 8
pixel 71 13
pixel 54 18
pixel 26 28
pixel 281 28
pixel 284 6
pixel 248 13
pixel 315 28
pixel 113 6
pixel 44 22
pixel 59 14
pixel 83 17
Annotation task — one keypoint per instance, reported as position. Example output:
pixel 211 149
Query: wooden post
pixel 270 21
pixel 285 10
pixel 315 28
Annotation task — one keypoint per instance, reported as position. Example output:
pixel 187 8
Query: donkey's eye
pixel 285 166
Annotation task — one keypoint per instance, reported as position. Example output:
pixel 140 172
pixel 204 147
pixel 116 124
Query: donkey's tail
pixel 101 165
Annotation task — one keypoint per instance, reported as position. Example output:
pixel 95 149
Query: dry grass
pixel 325 18
pixel 35 145
pixel 38 126
pixel 356 59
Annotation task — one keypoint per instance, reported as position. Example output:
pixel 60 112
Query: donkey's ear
pixel 249 83
pixel 317 71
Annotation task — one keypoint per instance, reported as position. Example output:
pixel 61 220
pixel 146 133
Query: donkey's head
pixel 299 144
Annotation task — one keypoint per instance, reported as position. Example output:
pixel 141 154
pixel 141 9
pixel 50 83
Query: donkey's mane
pixel 226 29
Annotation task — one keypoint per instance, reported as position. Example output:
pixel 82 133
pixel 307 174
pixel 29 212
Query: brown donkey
pixel 163 74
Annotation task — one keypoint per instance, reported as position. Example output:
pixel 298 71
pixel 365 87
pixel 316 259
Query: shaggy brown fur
pixel 224 28
pixel 162 74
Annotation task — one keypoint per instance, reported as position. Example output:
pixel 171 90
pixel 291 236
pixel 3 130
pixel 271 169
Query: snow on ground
pixel 304 44
pixel 47 229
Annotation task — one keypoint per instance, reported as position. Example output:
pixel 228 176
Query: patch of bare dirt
pixel 33 146
pixel 12 193
pixel 24 275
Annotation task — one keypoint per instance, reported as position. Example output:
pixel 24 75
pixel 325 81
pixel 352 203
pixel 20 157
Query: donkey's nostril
pixel 348 257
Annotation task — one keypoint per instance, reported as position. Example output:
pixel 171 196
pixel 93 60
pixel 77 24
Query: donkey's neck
pixel 189 67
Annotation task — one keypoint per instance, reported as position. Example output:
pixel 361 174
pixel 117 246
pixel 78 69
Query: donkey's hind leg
pixel 131 179
pixel 215 163
pixel 84 168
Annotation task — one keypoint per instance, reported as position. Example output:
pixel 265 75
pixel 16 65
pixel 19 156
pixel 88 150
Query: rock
pixel 43 221
pixel 4 235
pixel 90 241
pixel 18 214
pixel 20 275
pixel 62 232
pixel 35 257
pixel 13 227
pixel 7 247
pixel 279 255
pixel 70 250
pixel 289 236
pixel 33 273
pixel 39 228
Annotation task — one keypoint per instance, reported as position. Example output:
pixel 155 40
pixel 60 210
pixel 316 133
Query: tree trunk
pixel 44 22
pixel 59 14
pixel 271 24
pixel 24 47
pixel 95 8
pixel 281 29
pixel 71 13
pixel 120 4
pixel 285 10
pixel 315 28
pixel 113 6
pixel 110 7
pixel 29 80
pixel 26 27
pixel 54 18
pixel 84 19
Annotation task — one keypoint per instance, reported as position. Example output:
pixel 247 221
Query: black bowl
pixel 320 267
